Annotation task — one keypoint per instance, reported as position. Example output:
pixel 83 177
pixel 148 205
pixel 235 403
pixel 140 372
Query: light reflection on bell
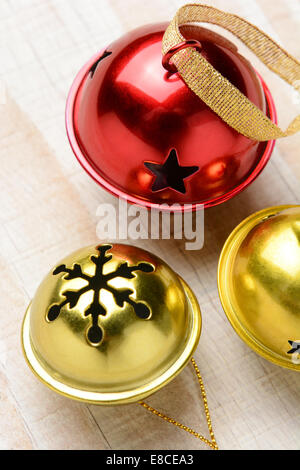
pixel 259 283
pixel 110 324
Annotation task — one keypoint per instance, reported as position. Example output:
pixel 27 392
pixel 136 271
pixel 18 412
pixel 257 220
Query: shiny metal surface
pixel 125 110
pixel 148 317
pixel 259 283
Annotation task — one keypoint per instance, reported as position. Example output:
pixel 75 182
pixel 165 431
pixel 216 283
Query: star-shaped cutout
pixel 95 65
pixel 295 347
pixel 170 174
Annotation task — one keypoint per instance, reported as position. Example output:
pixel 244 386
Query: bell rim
pixel 115 191
pixel 227 255
pixel 124 397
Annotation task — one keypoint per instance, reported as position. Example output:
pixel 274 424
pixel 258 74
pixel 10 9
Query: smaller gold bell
pixel 259 283
pixel 110 324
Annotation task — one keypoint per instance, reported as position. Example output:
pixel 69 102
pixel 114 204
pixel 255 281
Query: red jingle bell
pixel 142 134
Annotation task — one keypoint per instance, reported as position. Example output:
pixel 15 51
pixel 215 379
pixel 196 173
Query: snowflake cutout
pixel 295 347
pixel 96 283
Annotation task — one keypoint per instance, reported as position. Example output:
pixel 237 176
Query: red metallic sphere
pixel 144 135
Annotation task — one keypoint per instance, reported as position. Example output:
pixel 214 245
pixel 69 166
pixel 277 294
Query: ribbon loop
pixel 214 89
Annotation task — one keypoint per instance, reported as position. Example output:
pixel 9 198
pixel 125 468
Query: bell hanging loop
pixel 166 60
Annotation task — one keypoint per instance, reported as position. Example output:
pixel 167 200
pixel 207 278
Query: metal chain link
pixel 212 443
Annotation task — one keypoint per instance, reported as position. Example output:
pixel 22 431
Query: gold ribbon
pixel 214 89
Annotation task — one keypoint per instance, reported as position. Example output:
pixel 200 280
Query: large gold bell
pixel 259 283
pixel 110 324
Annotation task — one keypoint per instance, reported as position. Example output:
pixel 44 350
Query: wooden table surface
pixel 48 209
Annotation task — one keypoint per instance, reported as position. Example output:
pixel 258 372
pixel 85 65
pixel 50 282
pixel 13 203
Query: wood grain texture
pixel 48 208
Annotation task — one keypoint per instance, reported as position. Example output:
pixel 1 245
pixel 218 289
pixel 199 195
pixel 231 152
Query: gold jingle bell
pixel 110 324
pixel 259 283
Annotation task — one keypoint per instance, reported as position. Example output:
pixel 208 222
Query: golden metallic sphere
pixel 110 324
pixel 259 283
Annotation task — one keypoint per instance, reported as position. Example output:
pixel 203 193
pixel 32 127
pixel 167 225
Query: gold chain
pixel 214 89
pixel 212 443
